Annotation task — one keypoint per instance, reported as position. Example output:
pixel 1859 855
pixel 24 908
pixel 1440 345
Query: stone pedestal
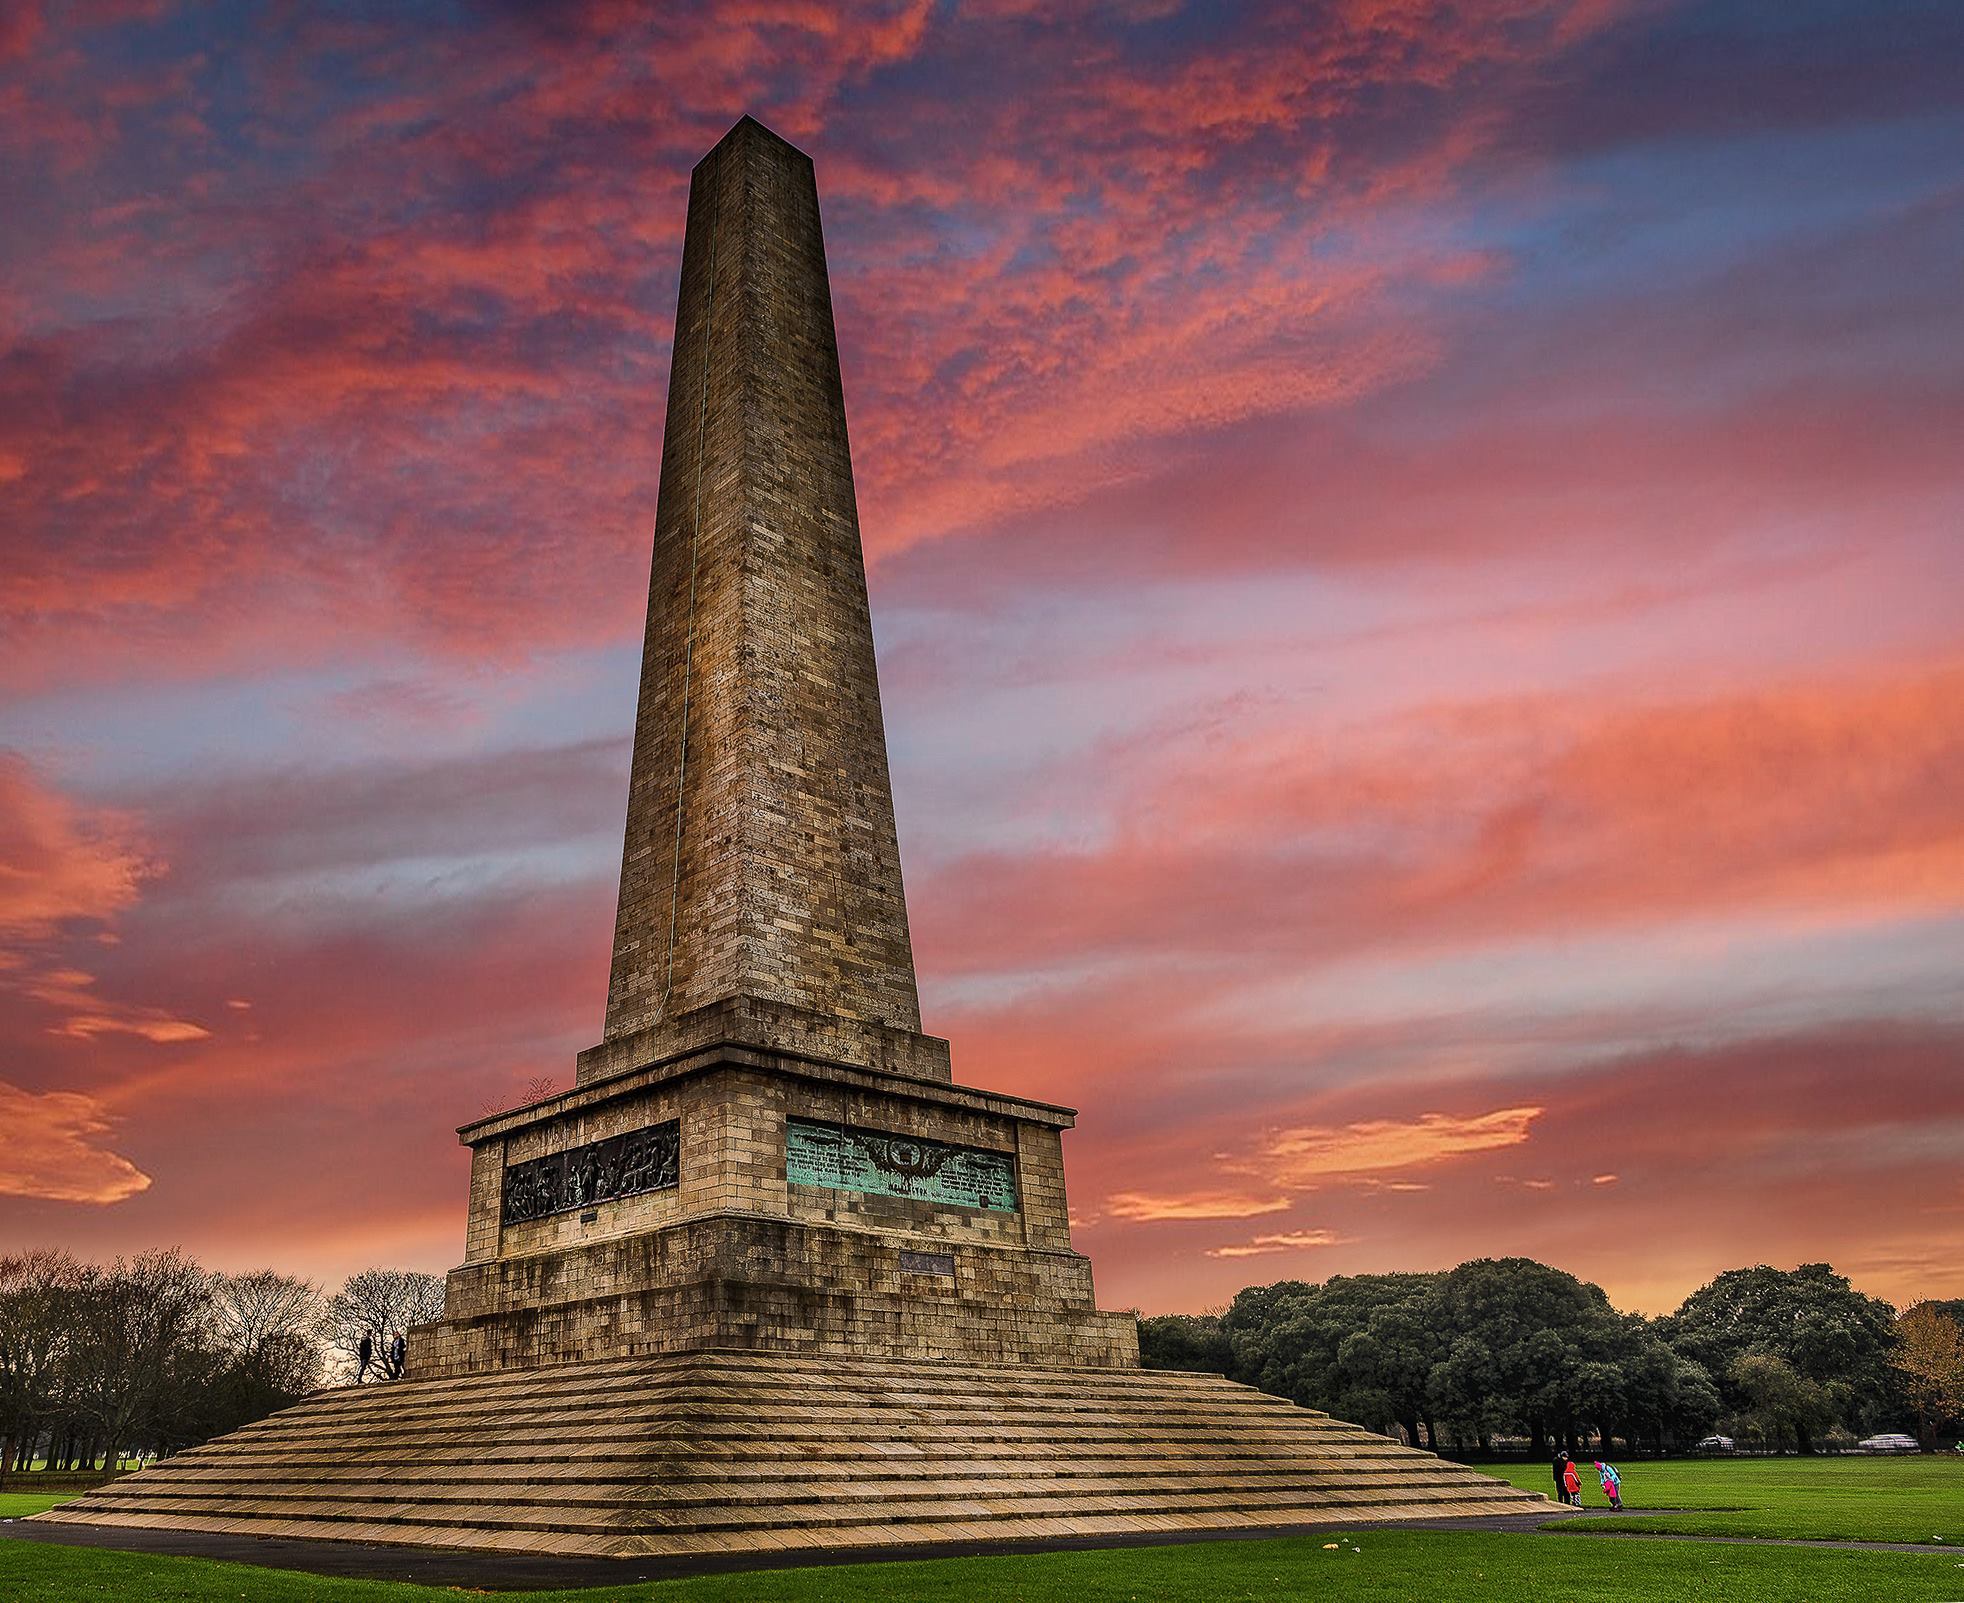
pixel 796 1204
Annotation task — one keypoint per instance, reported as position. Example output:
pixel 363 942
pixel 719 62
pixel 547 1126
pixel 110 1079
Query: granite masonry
pixel 762 974
pixel 767 1276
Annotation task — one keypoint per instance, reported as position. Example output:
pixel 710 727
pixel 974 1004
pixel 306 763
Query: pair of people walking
pixel 392 1365
pixel 1568 1481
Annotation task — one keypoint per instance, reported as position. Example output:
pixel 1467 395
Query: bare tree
pixel 378 1306
pixel 268 1326
pixel 37 1291
pixel 139 1365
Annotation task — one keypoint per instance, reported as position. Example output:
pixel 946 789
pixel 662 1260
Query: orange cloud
pixel 53 1149
pixel 61 862
pixel 150 1027
pixel 1301 1157
pixel 57 860
pixel 1287 1241
pixel 1195 1205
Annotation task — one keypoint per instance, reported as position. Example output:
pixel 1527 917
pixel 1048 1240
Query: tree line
pixel 1507 1348
pixel 100 1363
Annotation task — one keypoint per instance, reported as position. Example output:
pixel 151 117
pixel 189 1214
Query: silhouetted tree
pixel 36 1316
pixel 380 1304
pixel 268 1333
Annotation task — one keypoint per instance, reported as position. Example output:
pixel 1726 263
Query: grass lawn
pixel 18 1505
pixel 1911 1499
pixel 1392 1567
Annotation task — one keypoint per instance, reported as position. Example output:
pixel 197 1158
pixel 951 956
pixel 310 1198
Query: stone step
pixel 670 1442
pixel 869 1477
pixel 813 1402
pixel 783 1368
pixel 558 1515
pixel 1279 1479
pixel 868 1536
pixel 758 1405
pixel 758 1451
pixel 677 1455
pixel 649 1420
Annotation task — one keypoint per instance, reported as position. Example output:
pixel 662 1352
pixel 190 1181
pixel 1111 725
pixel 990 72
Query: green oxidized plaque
pixel 846 1158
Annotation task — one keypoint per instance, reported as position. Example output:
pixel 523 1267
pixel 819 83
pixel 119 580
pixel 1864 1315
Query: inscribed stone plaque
pixel 926 1263
pixel 846 1158
pixel 621 1166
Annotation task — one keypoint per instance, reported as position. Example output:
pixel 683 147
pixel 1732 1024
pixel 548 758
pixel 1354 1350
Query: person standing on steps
pixel 366 1354
pixel 1561 1482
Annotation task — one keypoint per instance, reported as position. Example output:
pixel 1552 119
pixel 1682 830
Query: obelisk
pixel 766 1278
pixel 761 859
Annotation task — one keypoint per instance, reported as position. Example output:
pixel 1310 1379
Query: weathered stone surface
pixel 761 858
pixel 719 1452
pixel 736 1255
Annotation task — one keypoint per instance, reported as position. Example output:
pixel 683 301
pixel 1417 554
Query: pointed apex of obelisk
pixel 745 128
pixel 761 860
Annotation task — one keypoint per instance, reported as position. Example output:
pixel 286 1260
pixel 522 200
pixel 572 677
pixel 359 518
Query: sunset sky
pixel 1417 552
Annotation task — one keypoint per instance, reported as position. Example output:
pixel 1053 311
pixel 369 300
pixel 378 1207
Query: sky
pixel 1416 551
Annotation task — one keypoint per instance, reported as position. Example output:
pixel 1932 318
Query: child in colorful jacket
pixel 1612 1483
pixel 1572 1483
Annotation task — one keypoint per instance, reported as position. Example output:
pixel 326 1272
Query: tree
pixel 1358 1346
pixel 138 1361
pixel 1930 1357
pixel 1672 1400
pixel 268 1331
pixel 1185 1341
pixel 1811 1319
pixel 36 1310
pixel 1533 1348
pixel 380 1305
pixel 1465 1392
pixel 1778 1405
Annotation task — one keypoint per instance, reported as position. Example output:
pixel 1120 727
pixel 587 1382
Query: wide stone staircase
pixel 724 1451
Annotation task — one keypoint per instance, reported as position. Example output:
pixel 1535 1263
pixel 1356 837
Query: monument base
pixel 714 1452
pixel 737 1191
pixel 752 1282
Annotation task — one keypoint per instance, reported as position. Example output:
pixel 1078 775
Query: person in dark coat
pixel 366 1353
pixel 1560 1467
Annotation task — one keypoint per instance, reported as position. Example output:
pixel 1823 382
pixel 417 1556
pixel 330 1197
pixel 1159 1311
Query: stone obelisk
pixel 766 1278
pixel 761 859
pixel 764 1151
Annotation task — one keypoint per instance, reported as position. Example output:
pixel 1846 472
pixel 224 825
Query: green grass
pixel 1392 1567
pixel 18 1505
pixel 1912 1499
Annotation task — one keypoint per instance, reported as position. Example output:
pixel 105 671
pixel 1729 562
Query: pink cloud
pixel 1303 1156
pixel 1198 1205
pixel 1282 1241
pixel 60 861
pixel 54 1152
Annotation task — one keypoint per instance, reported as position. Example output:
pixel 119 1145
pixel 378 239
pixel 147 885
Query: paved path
pixel 514 1572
